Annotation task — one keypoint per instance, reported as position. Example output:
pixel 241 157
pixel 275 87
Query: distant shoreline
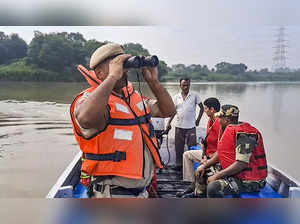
pixel 164 81
pixel 11 73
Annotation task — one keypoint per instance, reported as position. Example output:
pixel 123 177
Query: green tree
pixel 179 68
pixel 57 51
pixel 235 69
pixel 135 49
pixel 162 69
pixel 34 48
pixel 11 48
pixel 205 69
pixel 222 67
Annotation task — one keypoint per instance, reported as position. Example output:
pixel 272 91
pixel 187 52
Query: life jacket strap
pixel 117 156
pixel 259 168
pixel 260 156
pixel 138 120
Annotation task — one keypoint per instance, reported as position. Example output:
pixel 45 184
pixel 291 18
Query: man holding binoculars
pixel 112 124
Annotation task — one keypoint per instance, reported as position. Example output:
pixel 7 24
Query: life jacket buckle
pixel 143 120
pixel 119 156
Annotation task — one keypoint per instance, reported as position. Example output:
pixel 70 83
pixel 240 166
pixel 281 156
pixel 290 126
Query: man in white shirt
pixel 185 121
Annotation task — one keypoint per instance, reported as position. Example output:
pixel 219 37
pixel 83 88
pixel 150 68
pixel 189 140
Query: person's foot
pixel 189 195
pixel 189 190
pixel 193 195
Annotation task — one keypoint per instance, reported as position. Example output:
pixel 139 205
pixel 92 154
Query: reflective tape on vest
pixel 122 108
pixel 140 106
pixel 123 134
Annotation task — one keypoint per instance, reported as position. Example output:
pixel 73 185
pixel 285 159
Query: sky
pixel 188 32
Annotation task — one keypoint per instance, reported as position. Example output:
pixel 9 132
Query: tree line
pixel 54 57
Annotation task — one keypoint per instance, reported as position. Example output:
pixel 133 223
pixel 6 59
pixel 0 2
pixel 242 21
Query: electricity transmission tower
pixel 280 58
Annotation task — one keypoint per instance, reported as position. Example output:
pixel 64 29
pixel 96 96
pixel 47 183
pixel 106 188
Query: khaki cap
pixel 104 52
pixel 228 111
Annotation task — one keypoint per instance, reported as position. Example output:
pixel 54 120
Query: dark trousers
pixel 183 136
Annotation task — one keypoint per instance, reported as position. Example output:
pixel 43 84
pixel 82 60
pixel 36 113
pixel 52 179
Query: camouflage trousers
pixel 225 186
pixel 232 186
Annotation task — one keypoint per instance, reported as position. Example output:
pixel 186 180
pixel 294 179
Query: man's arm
pixel 200 114
pixel 233 169
pixel 212 161
pixel 163 106
pixel 93 113
pixel 204 157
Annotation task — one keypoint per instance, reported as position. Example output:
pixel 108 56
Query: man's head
pixel 229 114
pixel 211 106
pixel 185 85
pixel 100 59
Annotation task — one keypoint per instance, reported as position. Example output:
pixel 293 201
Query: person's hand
pixel 197 122
pixel 204 160
pixel 200 171
pixel 116 66
pixel 212 178
pixel 150 73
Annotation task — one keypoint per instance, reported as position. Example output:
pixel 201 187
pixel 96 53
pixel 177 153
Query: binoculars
pixel 141 61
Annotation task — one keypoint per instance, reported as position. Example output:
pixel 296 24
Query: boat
pixel 279 184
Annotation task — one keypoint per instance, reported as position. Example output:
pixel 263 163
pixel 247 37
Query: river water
pixel 36 140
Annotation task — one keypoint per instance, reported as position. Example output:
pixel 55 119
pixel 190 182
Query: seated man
pixel 241 154
pixel 208 145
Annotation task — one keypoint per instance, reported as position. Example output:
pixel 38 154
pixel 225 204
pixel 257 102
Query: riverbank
pixel 21 72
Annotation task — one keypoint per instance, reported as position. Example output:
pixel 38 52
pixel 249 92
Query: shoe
pixel 193 195
pixel 190 195
pixel 189 190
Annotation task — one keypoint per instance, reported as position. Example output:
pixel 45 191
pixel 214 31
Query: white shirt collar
pixel 180 94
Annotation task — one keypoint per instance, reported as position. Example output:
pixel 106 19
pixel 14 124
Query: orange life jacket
pixel 212 132
pixel 119 148
pixel 257 167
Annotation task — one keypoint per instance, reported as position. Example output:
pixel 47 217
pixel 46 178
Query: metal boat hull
pixel 68 185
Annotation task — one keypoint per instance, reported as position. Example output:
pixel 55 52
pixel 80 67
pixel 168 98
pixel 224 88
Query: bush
pixel 18 71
